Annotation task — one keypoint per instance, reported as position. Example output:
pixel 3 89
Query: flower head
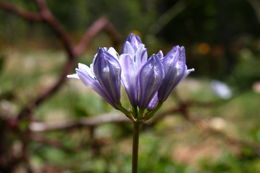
pixel 147 81
pixel 103 75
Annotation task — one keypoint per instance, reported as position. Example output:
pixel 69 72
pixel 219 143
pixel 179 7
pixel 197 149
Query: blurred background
pixel 210 124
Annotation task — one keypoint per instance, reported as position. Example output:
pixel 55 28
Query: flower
pixel 133 57
pixel 103 75
pixel 149 82
pixel 175 68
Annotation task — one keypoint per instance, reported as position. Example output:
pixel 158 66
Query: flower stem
pixel 135 147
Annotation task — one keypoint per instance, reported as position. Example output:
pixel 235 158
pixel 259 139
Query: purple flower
pixel 150 81
pixel 103 75
pixel 133 58
pixel 147 81
pixel 175 68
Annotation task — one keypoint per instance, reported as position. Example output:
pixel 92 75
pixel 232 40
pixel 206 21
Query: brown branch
pixel 162 115
pixel 51 21
pixel 120 118
pixel 54 143
pixel 114 34
pixel 96 121
pixel 19 12
pixel 99 120
pixel 90 33
pixel 87 122
pixel 100 24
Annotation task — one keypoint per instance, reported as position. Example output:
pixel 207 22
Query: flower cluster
pixel 147 81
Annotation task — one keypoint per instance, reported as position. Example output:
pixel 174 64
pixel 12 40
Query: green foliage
pixel 228 163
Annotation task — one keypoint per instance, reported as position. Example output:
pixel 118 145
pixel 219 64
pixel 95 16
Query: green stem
pixel 135 147
pixel 125 111
pixel 149 114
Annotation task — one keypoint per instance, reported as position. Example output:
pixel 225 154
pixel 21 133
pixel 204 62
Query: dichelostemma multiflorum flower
pixel 147 81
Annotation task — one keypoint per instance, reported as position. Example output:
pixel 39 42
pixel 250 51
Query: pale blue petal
pixel 93 83
pixel 134 40
pixel 154 102
pixel 73 76
pixel 175 70
pixel 140 56
pixel 108 72
pixel 129 77
pixel 150 79
pixel 128 48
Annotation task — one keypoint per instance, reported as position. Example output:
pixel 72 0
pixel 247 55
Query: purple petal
pixel 150 78
pixel 160 54
pixel 175 69
pixel 129 77
pixel 84 74
pixel 128 48
pixel 113 52
pixel 140 56
pixel 153 103
pixel 108 72
pixel 134 40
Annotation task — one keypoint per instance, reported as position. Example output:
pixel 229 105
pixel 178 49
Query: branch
pixel 114 34
pixel 51 21
pixel 87 122
pixel 120 118
pixel 90 33
pixel 159 116
pixel 44 140
pixel 19 12
pixel 100 24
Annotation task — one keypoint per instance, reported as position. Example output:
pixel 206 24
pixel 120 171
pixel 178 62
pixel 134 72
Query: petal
pixel 86 70
pixel 175 70
pixel 160 54
pixel 150 78
pixel 93 83
pixel 129 77
pixel 108 72
pixel 188 71
pixel 171 58
pixel 113 52
pixel 134 40
pixel 153 103
pixel 73 76
pixel 128 49
pixel 169 64
pixel 140 56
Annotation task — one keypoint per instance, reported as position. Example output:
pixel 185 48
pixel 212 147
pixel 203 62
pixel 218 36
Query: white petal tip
pixel 73 76
pixel 191 70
